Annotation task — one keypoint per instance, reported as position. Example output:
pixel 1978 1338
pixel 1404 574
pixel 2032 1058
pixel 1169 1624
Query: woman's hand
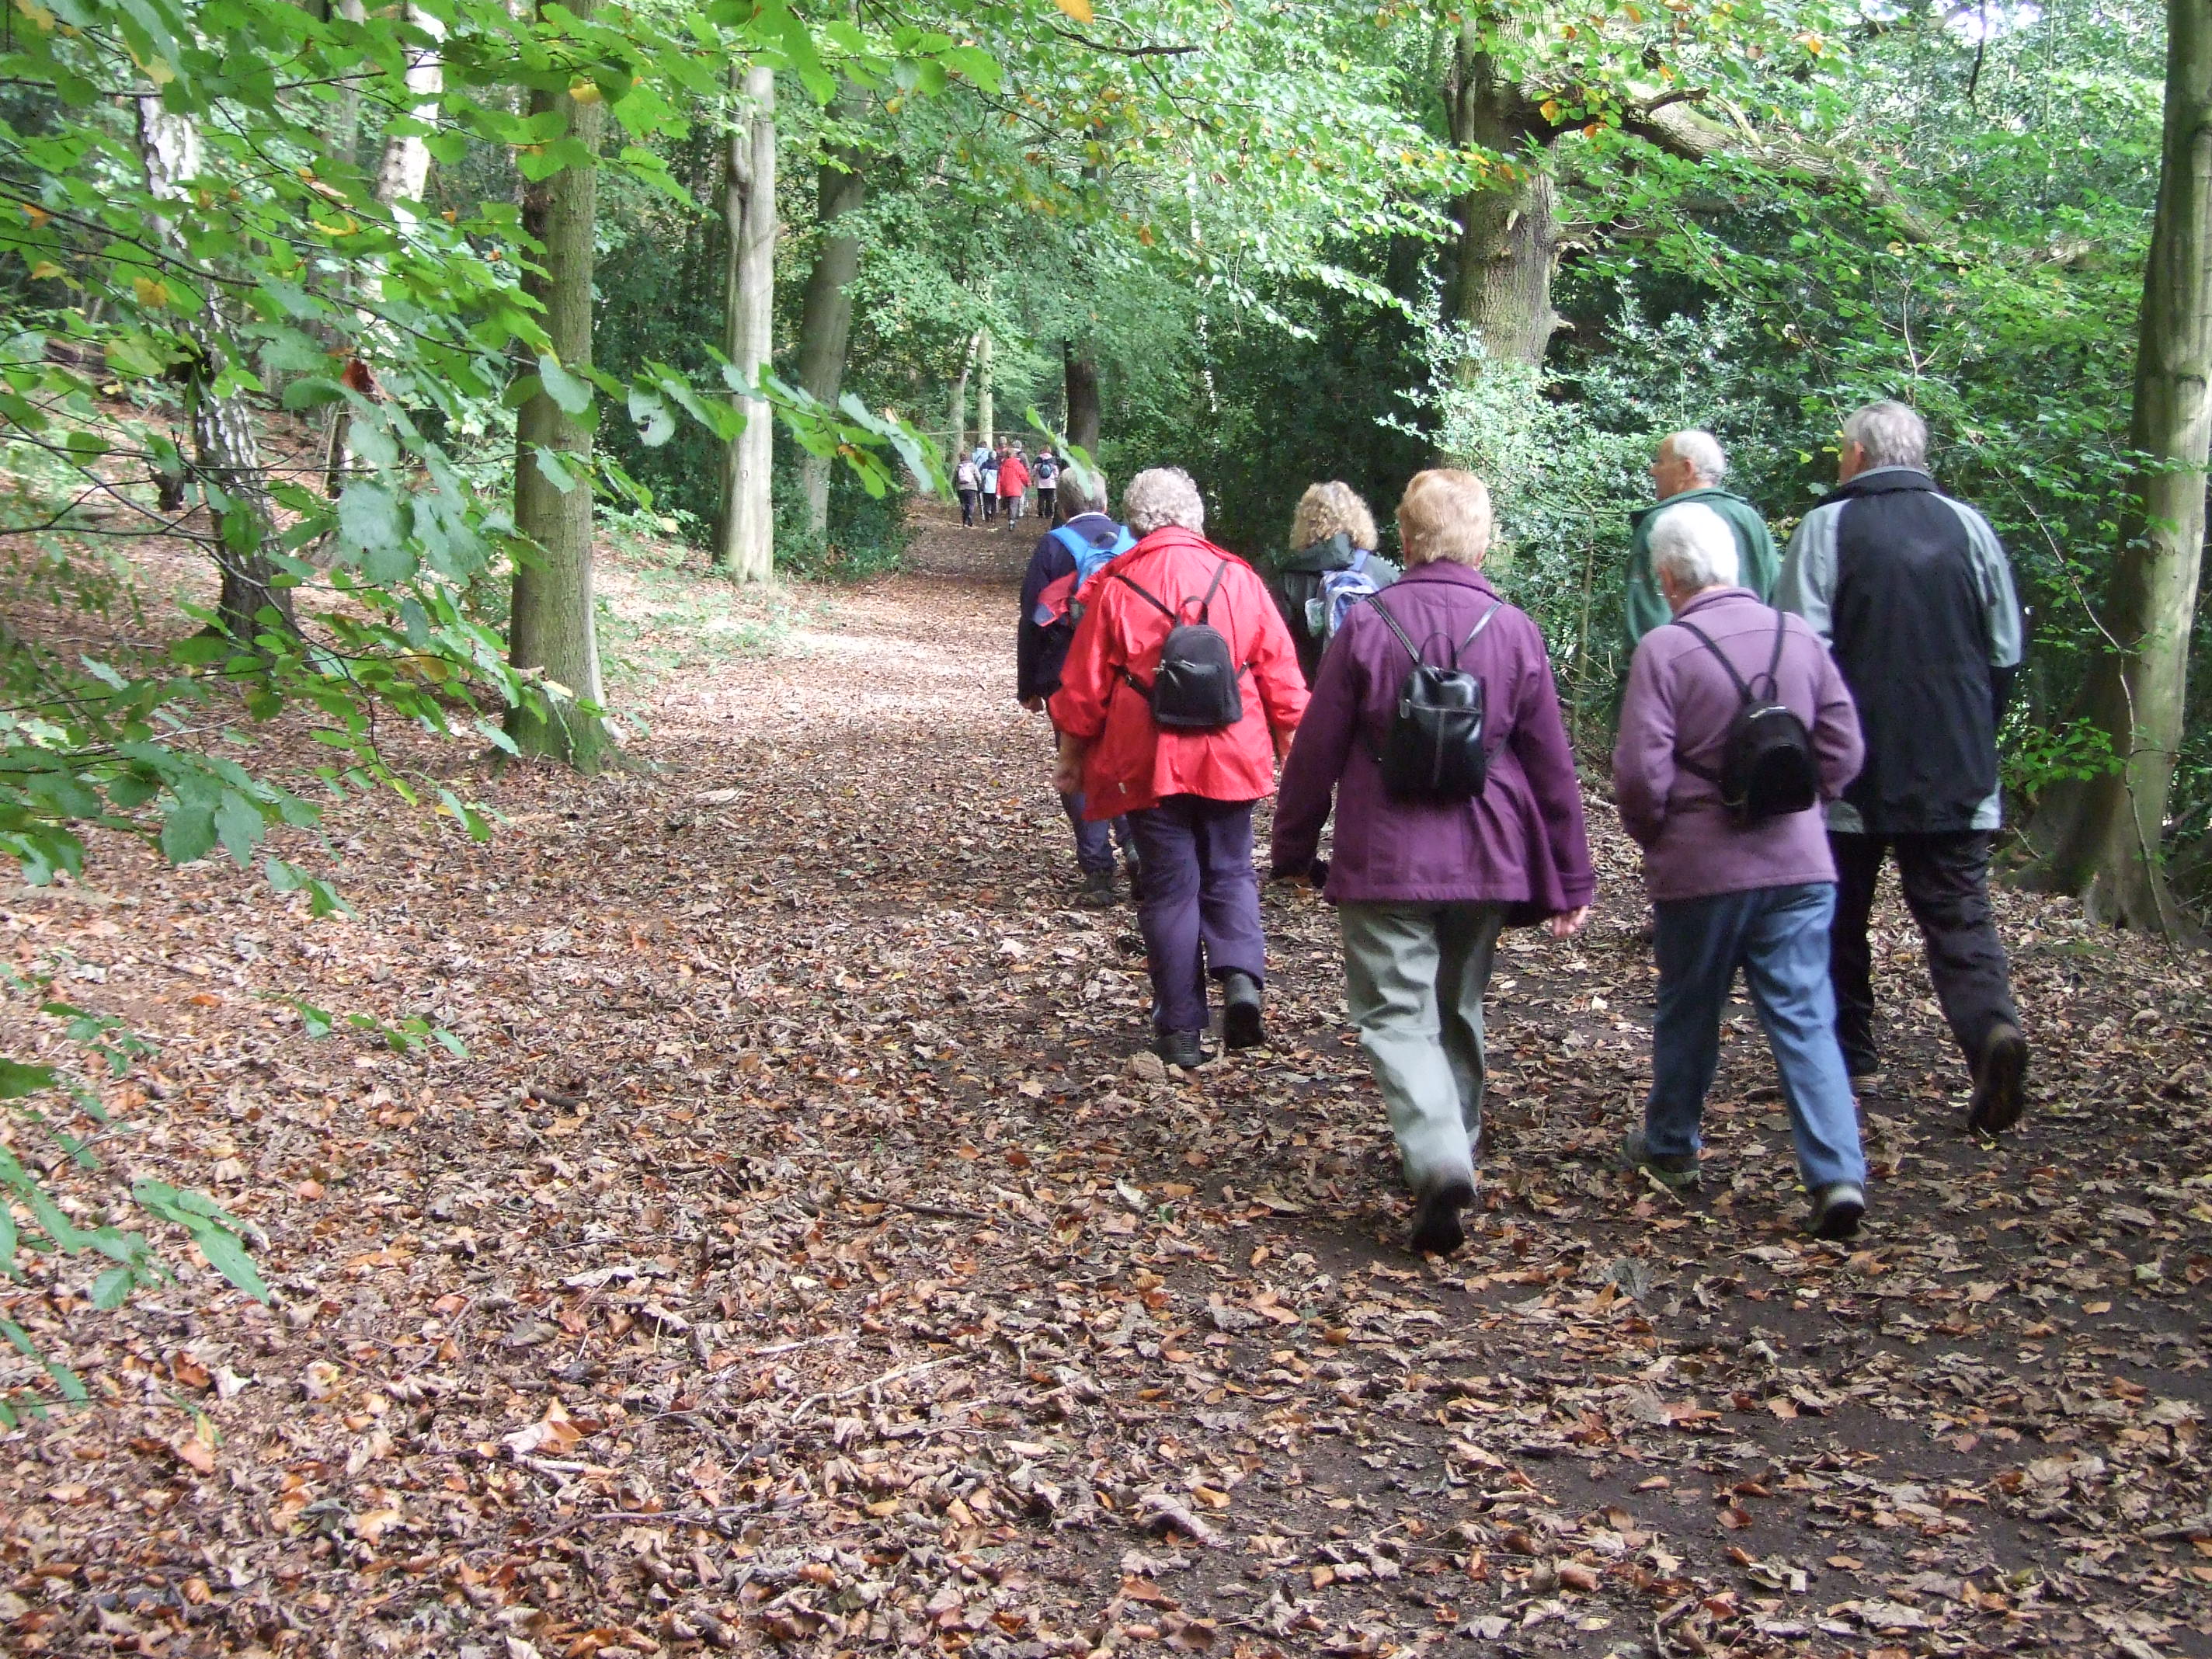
pixel 1283 740
pixel 1568 923
pixel 1035 705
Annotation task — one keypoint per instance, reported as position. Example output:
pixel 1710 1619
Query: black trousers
pixel 1945 878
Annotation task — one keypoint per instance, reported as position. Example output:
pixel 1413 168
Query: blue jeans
pixel 1779 936
pixel 1094 851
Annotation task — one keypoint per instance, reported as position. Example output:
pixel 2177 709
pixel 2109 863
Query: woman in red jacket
pixel 1189 795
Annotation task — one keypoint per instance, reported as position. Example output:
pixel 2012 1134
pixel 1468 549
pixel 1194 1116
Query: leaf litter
pixel 800 1260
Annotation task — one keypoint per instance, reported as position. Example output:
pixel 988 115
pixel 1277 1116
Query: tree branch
pixel 1122 52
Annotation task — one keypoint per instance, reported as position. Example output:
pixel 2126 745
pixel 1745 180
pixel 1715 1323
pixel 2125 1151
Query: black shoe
pixel 1240 1011
pixel 1098 889
pixel 1136 882
pixel 1185 1049
pixel 1436 1230
pixel 1999 1082
pixel 1837 1209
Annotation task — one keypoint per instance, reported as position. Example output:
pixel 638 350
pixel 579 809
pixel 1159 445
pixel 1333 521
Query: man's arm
pixel 2001 613
pixel 1050 560
pixel 1839 745
pixel 1807 585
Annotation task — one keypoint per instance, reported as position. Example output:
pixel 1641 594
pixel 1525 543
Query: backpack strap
pixel 1774 662
pixel 1742 690
pixel 1077 545
pixel 1206 604
pixel 1482 623
pixel 1147 598
pixel 1404 639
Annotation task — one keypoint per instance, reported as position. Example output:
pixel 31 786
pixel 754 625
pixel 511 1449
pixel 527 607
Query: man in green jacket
pixel 1688 466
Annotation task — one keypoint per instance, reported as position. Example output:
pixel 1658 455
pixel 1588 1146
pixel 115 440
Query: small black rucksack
pixel 1195 687
pixel 1767 769
pixel 1433 752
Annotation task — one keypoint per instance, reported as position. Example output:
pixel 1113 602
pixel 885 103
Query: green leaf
pixel 188 833
pixel 553 469
pixel 655 425
pixel 17 1080
pixel 239 822
pixel 112 1289
pixel 573 393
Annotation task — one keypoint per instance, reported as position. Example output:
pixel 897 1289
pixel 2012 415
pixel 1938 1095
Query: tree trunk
pixel 745 542
pixel 405 170
pixel 984 415
pixel 1509 231
pixel 553 631
pixel 226 449
pixel 960 400
pixel 825 317
pixel 2113 830
pixel 1082 379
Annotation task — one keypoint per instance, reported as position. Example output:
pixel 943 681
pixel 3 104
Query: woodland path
pixel 798 1258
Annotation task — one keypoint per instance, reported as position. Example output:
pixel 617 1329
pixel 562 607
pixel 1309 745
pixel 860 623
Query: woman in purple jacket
pixel 1423 889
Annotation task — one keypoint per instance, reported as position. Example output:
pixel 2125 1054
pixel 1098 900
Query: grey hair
pixel 1695 545
pixel 1890 433
pixel 1163 496
pixel 1703 452
pixel 1082 492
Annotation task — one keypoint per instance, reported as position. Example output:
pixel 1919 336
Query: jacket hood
pixel 1702 493
pixel 1718 595
pixel 1331 554
pixel 1880 481
pixel 1175 537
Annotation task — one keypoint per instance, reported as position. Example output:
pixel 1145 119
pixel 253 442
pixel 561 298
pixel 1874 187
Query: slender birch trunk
pixel 745 542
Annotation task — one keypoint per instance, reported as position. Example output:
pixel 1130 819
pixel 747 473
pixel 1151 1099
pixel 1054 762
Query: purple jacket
pixel 1678 705
pixel 1519 844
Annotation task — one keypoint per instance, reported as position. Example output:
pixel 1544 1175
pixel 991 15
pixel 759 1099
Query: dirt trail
pixel 799 1258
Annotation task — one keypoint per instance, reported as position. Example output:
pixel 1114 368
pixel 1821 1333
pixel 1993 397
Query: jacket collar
pixel 1716 596
pixel 1882 481
pixel 1173 537
pixel 1444 570
pixel 1702 493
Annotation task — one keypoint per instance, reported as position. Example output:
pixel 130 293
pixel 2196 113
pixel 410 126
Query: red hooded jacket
pixel 1133 764
pixel 1013 475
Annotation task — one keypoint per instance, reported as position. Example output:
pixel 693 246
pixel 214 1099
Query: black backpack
pixel 1195 687
pixel 1767 769
pixel 1433 752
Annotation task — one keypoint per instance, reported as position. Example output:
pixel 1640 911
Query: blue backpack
pixel 1339 590
pixel 1058 598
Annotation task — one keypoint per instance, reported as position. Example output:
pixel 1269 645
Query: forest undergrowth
pixel 799 1258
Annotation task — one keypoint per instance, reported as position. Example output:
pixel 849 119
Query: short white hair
pixel 1695 545
pixel 1890 433
pixel 1702 451
pixel 1163 496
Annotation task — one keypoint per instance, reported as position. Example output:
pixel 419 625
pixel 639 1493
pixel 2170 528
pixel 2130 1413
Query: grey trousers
pixel 1414 975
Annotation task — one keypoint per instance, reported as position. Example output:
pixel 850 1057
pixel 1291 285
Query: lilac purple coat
pixel 1520 843
pixel 1678 705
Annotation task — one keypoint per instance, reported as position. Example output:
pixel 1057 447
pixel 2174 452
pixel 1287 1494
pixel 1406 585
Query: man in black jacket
pixel 1041 641
pixel 1914 594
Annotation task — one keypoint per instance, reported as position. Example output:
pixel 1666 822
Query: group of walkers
pixel 1769 760
pixel 998 479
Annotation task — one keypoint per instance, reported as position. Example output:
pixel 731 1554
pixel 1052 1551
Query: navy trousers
pixel 1095 841
pixel 1200 911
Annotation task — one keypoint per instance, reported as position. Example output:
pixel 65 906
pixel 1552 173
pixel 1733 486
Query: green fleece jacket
pixel 1644 607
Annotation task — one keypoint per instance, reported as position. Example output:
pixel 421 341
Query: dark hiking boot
pixel 1676 1170
pixel 1136 882
pixel 1866 1076
pixel 1240 1011
pixel 1837 1209
pixel 1185 1049
pixel 1999 1082
pixel 1098 889
pixel 1436 1230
